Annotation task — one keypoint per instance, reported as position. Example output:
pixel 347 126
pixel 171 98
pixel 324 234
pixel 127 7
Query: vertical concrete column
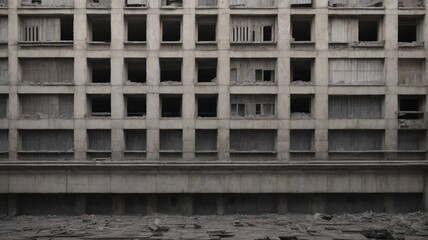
pixel 223 106
pixel 118 205
pixel 153 114
pixel 282 204
pixel 321 106
pixel 151 204
pixel 12 205
pixel 284 26
pixel 188 106
pixel 220 204
pixel 391 103
pixel 283 107
pixel 80 204
pixel 321 28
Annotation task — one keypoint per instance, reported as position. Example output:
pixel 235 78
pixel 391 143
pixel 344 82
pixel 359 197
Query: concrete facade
pixel 154 171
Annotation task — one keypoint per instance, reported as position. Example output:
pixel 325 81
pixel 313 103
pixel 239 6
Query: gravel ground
pixel 412 226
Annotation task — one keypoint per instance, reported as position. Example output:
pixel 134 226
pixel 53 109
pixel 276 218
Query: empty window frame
pixel 4 71
pixel 46 70
pixel 99 29
pixel 4 29
pixel 206 3
pixel 3 105
pixel 355 140
pixel 207 105
pixel 99 139
pixel 99 3
pixel 206 70
pixel 136 3
pixel 253 3
pixel 171 140
pixel 301 3
pixel 301 27
pixel 207 28
pixel 249 140
pixel 302 140
pixel 356 72
pixel 355 107
pixel 99 105
pixel 355 3
pixel 253 29
pixel 100 70
pixel 172 3
pixel 170 69
pixel 252 71
pixel 411 140
pixel 206 140
pixel 411 106
pixel 46 29
pixel 411 3
pixel 301 70
pixel 135 105
pixel 46 140
pixel 245 105
pixel 301 105
pixel 409 29
pixel 136 70
pixel 46 105
pixel 4 141
pixel 135 140
pixel 136 28
pixel 411 72
pixel 171 29
pixel 368 30
pixel 171 105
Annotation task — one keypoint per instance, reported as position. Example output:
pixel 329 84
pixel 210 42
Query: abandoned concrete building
pixel 213 106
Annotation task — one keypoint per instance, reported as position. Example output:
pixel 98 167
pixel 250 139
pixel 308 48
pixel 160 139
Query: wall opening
pixel 100 105
pixel 252 106
pixel 3 106
pixel 206 140
pixel 171 105
pixel 136 70
pixel 302 140
pixel 46 144
pixel 411 71
pixel 252 71
pixel 301 3
pixel 100 28
pixel 207 105
pixel 355 106
pixel 67 31
pixel 252 29
pixel 207 70
pixel 368 30
pixel 171 140
pixel 411 140
pixel 136 105
pixel 137 28
pixel 252 141
pixel 301 106
pixel 46 105
pixel 135 140
pixel 411 106
pixel 409 29
pixel 99 143
pixel 171 29
pixel 301 70
pixel 301 28
pixel 46 70
pixel 99 4
pixel 100 70
pixel 207 28
pixel 170 69
pixel 172 3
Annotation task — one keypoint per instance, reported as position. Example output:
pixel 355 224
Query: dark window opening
pixel 301 70
pixel 171 105
pixel 265 75
pixel 101 29
pixel 300 104
pixel 170 70
pixel 100 70
pixel 67 29
pixel 411 107
pixel 137 29
pixel 171 140
pixel 207 28
pixel 301 30
pixel 136 70
pixel 36 1
pixel 171 30
pixel 368 30
pixel 100 105
pixel 297 4
pixel 175 3
pixel 207 70
pixel 267 34
pixel 207 105
pixel 206 140
pixel 136 106
pixel 173 202
pixel 407 31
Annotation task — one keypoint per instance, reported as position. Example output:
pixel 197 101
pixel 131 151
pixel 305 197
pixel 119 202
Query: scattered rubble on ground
pixel 412 226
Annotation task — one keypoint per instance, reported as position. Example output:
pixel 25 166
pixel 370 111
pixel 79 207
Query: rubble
pixel 362 226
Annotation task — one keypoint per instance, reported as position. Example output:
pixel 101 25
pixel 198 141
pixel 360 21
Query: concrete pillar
pixel 12 205
pixel 282 204
pixel 151 204
pixel 220 204
pixel 118 205
pixel 80 204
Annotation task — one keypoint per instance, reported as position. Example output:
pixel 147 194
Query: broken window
pixel 100 29
pixel 411 3
pixel 170 69
pixel 46 29
pixel 207 29
pixel 171 140
pixel 206 140
pixel 135 140
pixel 253 3
pixel 207 70
pixel 252 29
pixel 172 3
pixel 171 29
pixel 368 30
pixel 411 72
pixel 136 3
pixel 136 70
pixel 46 140
pixel 252 140
pixel 136 105
pixel 47 3
pixel 356 72
pixel 411 140
pixel 411 106
pixel 243 105
pixel 99 140
pixel 355 140
pixel 355 107
pixel 100 105
pixel 4 141
pixel 4 71
pixel 355 4
pixel 46 105
pixel 99 70
pixel 301 70
pixel 47 70
pixel 302 140
pixel 99 3
pixel 207 105
pixel 206 3
pixel 251 71
pixel 301 106
pixel 4 29
pixel 3 106
pixel 301 28
pixel 409 30
pixel 171 105
pixel 137 28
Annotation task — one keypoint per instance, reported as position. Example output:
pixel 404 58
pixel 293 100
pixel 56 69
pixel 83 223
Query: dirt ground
pixel 412 226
